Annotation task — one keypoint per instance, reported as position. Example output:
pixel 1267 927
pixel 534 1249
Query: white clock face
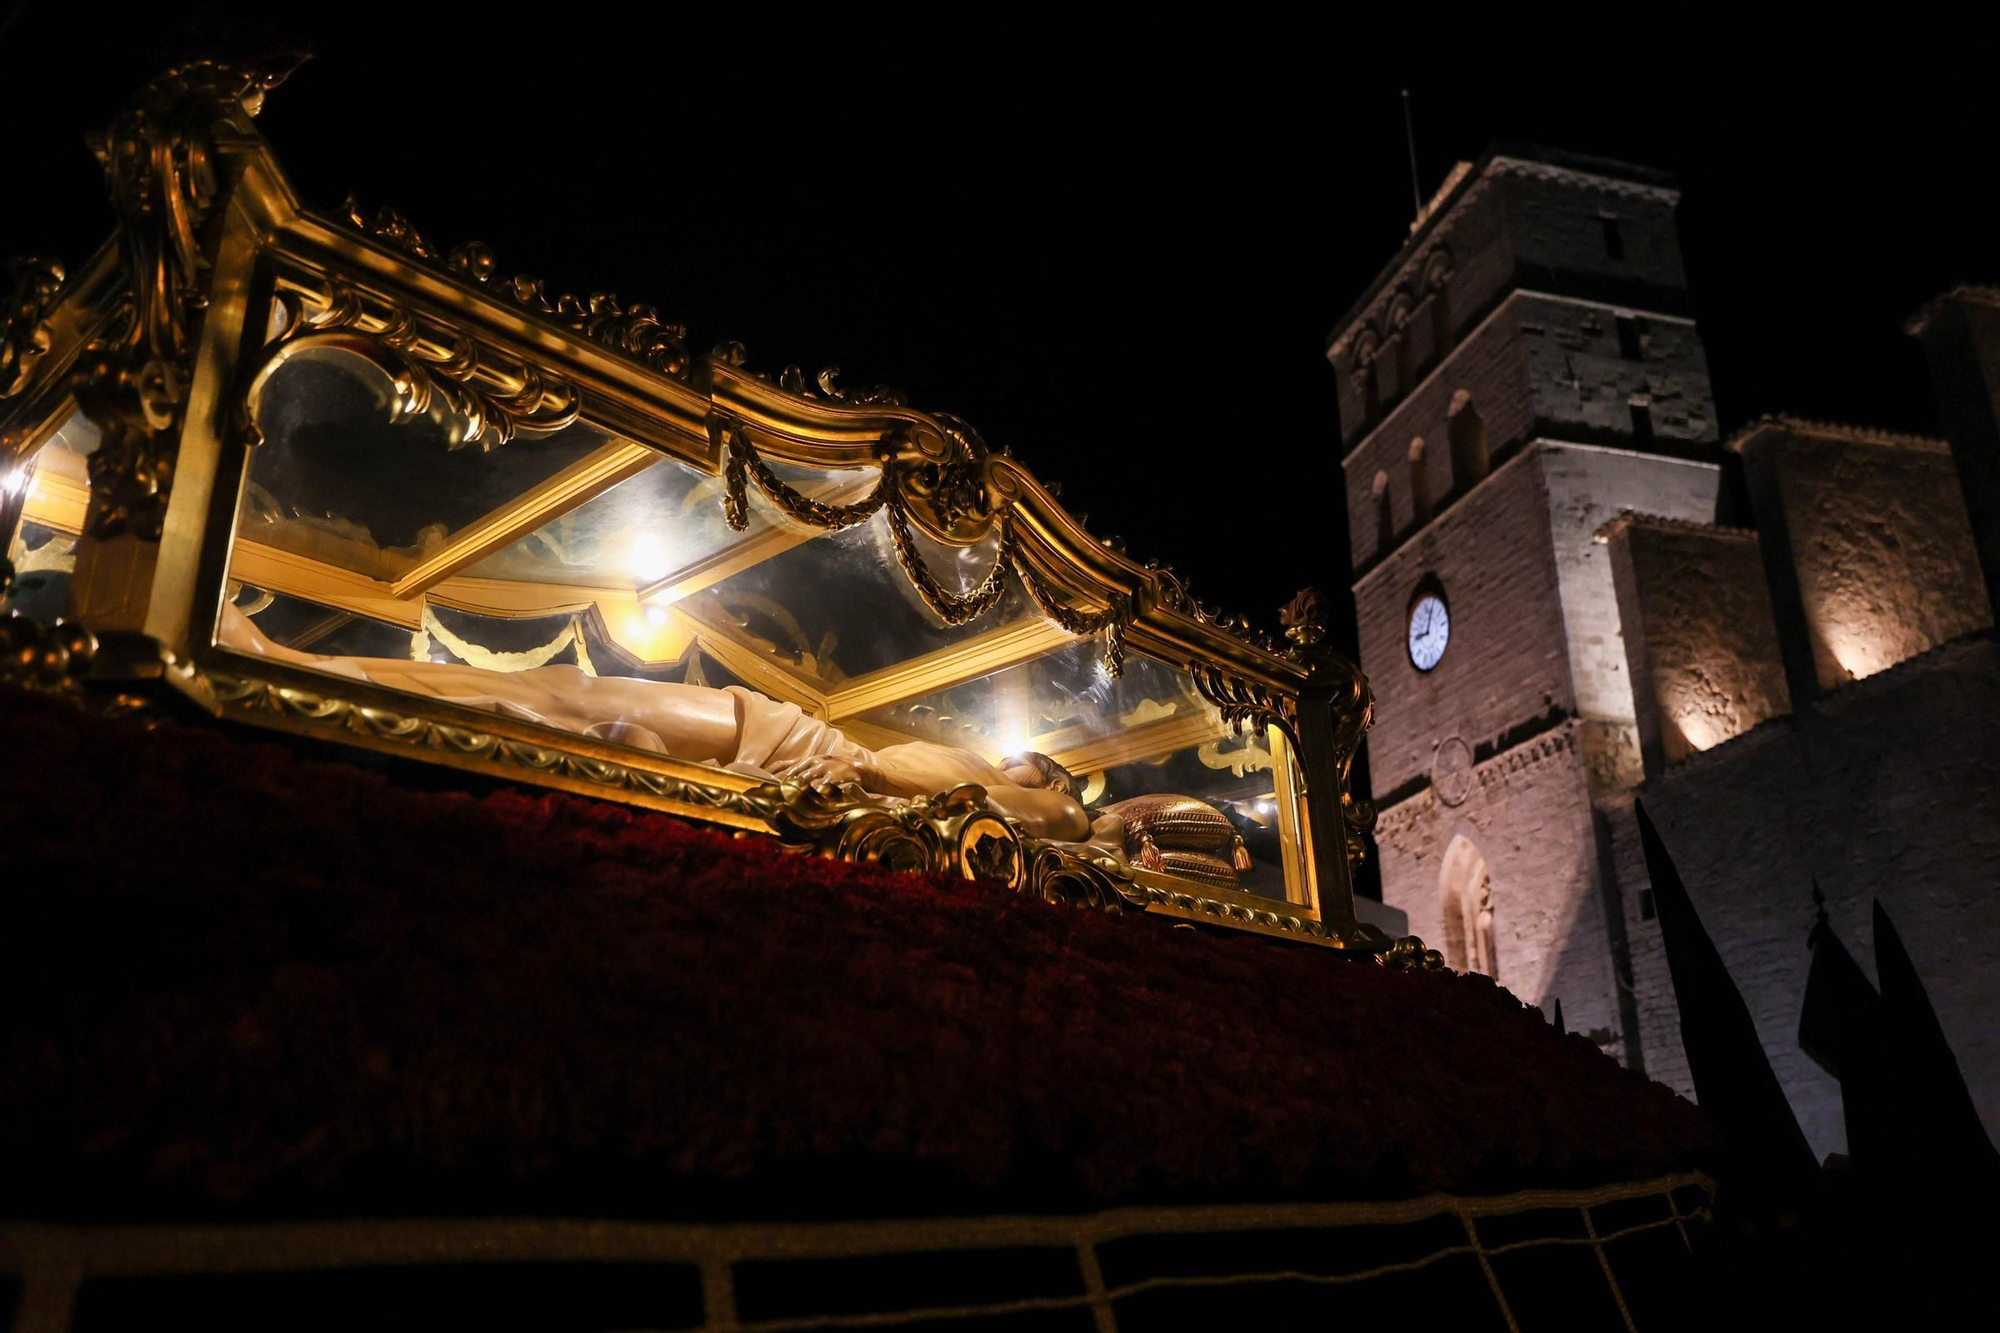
pixel 1430 631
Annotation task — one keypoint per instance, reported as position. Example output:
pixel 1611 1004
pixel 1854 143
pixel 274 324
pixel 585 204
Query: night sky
pixel 1119 254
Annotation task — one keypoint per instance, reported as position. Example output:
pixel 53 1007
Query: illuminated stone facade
pixel 1530 434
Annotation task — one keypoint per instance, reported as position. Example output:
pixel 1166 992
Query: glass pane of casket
pixel 1145 733
pixel 360 537
pixel 839 608
pixel 45 498
pixel 337 481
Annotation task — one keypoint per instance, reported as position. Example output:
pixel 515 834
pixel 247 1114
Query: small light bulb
pixel 656 615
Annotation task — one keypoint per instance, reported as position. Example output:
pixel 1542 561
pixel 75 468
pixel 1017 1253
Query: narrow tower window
pixel 1614 243
pixel 1385 514
pixel 1630 331
pixel 1468 442
pixel 1642 417
pixel 1420 481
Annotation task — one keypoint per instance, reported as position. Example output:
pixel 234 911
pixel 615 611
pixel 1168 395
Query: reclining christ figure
pixel 731 727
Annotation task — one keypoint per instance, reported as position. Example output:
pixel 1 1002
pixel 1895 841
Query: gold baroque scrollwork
pixel 1244 702
pixel 635 331
pixel 390 227
pixel 1082 878
pixel 425 364
pixel 160 165
pixel 954 833
pixel 24 336
pixel 879 396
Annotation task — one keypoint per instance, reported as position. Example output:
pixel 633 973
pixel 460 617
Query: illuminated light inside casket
pixel 649 559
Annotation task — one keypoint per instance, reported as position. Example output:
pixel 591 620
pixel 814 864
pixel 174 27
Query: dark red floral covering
pixel 242 982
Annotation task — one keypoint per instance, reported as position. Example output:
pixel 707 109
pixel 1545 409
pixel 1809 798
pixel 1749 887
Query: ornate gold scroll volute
pixel 1079 877
pixel 160 164
pixel 957 832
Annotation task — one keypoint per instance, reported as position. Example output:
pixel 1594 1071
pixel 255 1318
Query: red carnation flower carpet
pixel 245 983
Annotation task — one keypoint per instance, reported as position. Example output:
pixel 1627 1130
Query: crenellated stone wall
pixel 1870 548
pixel 1699 635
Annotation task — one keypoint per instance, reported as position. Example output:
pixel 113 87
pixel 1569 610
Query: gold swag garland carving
pixel 953 485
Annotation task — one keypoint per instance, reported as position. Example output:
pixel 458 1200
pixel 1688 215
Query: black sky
pixel 1119 253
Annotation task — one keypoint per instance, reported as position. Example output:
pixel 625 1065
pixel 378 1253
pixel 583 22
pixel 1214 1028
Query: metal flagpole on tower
pixel 1410 138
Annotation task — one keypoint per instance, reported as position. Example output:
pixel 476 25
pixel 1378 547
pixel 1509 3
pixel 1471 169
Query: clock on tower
pixel 1430 631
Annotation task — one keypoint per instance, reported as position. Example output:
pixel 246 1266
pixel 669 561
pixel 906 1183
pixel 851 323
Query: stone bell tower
pixel 1523 371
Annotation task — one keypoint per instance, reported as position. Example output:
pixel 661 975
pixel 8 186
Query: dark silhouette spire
pixel 1840 1029
pixel 1940 1122
pixel 1766 1163
pixel 1558 1018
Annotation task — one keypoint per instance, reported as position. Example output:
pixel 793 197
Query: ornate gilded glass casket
pixel 373 450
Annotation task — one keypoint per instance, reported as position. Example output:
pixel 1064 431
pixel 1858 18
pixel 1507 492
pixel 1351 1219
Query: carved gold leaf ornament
pixel 159 164
pixel 32 285
pixel 635 331
pixel 429 366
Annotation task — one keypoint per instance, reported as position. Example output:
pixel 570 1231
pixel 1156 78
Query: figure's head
pixel 1029 769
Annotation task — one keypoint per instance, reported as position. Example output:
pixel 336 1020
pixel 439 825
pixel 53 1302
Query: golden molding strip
pixel 1080 751
pixel 301 576
pixel 752 664
pixel 575 485
pixel 940 670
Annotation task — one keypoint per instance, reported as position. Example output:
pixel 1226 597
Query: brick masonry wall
pixel 1528 814
pixel 1554 221
pixel 1699 635
pixel 1582 378
pixel 1889 789
pixel 1471 241
pixel 1489 365
pixel 1506 665
pixel 1880 540
pixel 1588 487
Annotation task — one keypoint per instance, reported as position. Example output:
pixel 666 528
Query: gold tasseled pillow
pixel 1174 821
pixel 1201 867
pixel 1158 826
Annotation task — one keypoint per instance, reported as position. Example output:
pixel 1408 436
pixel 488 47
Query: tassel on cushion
pixel 1149 853
pixel 1240 858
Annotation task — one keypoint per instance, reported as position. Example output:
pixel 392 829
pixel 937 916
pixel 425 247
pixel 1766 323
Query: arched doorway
pixel 1465 891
